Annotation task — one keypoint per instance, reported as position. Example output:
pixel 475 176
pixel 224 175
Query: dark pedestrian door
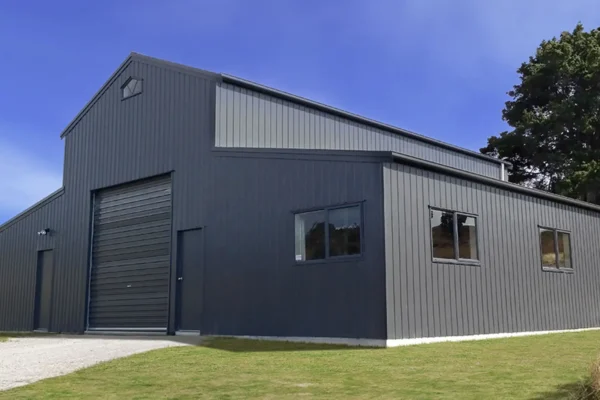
pixel 43 292
pixel 190 272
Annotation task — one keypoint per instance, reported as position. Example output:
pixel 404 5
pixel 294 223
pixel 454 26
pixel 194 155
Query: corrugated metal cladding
pixel 508 292
pixel 166 128
pixel 243 203
pixel 19 247
pixel 253 285
pixel 248 119
pixel 129 285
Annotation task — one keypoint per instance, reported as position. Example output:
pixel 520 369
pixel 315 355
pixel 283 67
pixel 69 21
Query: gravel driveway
pixel 26 360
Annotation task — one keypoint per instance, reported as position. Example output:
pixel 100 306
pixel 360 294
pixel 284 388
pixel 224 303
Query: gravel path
pixel 26 360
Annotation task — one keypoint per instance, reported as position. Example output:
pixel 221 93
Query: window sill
pixel 332 260
pixel 558 270
pixel 472 263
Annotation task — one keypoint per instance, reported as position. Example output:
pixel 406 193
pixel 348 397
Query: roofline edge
pixel 96 96
pixel 355 117
pixel 52 196
pixel 513 187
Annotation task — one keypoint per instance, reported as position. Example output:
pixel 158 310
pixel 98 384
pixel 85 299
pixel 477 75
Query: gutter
pixel 513 187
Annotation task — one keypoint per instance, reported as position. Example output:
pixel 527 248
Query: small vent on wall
pixel 131 87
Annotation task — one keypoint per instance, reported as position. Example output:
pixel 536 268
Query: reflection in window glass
pixel 547 247
pixel 344 231
pixel 126 92
pixel 564 250
pixel 138 87
pixel 442 234
pixel 467 237
pixel 310 236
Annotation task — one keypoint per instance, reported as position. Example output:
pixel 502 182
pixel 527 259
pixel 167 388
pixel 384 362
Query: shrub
pixel 589 389
pixel 595 379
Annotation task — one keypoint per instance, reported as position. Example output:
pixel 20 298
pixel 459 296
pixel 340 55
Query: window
pixel 555 248
pixel 453 236
pixel 131 87
pixel 310 236
pixel 328 233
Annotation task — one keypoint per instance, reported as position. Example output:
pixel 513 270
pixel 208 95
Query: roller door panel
pixel 111 227
pixel 129 282
pixel 143 227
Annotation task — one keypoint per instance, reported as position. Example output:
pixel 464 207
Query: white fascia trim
pixel 410 342
pixel 398 342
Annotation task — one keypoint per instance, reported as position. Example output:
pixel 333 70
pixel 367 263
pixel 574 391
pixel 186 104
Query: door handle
pixel 180 278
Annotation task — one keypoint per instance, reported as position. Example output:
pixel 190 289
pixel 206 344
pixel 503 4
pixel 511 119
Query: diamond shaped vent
pixel 132 87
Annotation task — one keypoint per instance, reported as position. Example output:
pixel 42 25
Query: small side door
pixel 190 280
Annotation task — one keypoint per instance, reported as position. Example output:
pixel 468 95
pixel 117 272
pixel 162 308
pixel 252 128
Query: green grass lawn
pixel 535 367
pixel 4 336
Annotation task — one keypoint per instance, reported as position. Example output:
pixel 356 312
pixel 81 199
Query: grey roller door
pixel 131 252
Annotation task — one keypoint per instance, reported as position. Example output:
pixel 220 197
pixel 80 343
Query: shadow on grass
pixel 231 344
pixel 570 391
pixel 190 340
pixel 251 346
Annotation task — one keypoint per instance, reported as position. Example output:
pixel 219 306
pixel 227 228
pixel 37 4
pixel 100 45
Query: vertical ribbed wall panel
pixel 19 244
pixel 244 203
pixel 249 119
pixel 509 291
pixel 166 128
pixel 254 286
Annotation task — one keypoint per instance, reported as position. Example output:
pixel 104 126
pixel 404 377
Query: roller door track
pixel 131 252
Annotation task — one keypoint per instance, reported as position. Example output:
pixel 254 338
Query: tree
pixel 555 116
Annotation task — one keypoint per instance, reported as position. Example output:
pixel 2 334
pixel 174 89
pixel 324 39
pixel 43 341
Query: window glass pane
pixel 310 236
pixel 564 250
pixel 442 236
pixel 547 247
pixel 467 237
pixel 131 85
pixel 126 91
pixel 344 231
pixel 138 87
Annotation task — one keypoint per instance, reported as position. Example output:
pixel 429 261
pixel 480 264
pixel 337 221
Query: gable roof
pixel 273 92
pixel 134 57
pixel 46 200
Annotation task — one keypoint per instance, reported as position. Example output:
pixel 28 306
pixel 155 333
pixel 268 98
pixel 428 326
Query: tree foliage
pixel 555 115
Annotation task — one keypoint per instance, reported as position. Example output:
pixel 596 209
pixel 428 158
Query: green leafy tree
pixel 555 115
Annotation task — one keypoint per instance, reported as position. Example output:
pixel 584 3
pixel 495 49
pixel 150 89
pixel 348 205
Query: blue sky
pixel 438 67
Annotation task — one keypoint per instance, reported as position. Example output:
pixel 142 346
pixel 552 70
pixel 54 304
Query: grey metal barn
pixel 201 203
